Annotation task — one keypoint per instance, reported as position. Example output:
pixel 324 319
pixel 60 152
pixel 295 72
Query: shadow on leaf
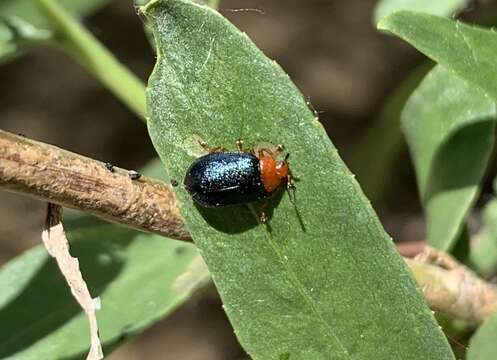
pixel 238 219
pixel 462 153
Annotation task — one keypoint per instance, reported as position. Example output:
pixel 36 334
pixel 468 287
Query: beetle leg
pixel 239 146
pixel 218 149
pixel 263 152
pixel 290 188
pixel 263 214
pixel 263 217
pixel 211 150
pixel 289 182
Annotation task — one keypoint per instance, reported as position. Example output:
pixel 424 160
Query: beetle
pixel 224 178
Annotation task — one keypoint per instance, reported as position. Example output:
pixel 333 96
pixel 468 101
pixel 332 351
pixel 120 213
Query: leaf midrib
pixel 293 279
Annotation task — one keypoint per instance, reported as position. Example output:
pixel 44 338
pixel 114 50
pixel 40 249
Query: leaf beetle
pixel 224 178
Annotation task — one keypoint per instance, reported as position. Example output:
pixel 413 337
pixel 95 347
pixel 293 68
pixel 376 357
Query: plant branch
pixel 86 49
pixel 452 288
pixel 58 176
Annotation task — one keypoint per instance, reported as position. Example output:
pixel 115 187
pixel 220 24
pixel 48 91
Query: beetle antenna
pixel 286 157
pixel 312 108
pixel 291 194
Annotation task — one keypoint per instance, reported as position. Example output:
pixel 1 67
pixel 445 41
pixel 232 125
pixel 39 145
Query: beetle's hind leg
pixel 211 150
pixel 263 217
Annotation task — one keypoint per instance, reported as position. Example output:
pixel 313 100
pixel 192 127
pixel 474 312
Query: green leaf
pixel 212 3
pixel 28 10
pixel 17 34
pixel 374 169
pixel 483 345
pixel 139 277
pixel 483 255
pixel 22 24
pixel 449 127
pixel 469 51
pixel 325 281
pixel 438 7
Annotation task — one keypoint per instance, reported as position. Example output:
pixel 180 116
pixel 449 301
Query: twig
pixel 55 241
pixel 67 179
pixel 452 288
pixel 410 249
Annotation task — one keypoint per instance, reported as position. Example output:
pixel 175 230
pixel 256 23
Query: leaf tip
pixel 150 6
pixel 146 9
pixel 387 22
pixel 383 24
